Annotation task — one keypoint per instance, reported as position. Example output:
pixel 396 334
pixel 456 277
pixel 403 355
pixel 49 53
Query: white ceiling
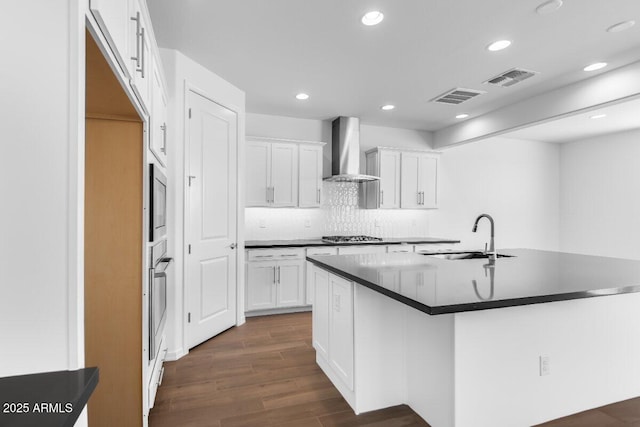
pixel 273 49
pixel 619 117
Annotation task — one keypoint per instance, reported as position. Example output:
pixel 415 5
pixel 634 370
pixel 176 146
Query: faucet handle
pixel 485 247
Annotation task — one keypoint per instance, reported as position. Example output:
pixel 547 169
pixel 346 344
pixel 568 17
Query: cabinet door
pixel 409 181
pixel 389 171
pixel 113 18
pixel 320 250
pixel 290 283
pixel 158 140
pixel 320 312
pixel 428 177
pixel 284 173
pixel 258 170
pixel 310 176
pixel 341 328
pixel 139 52
pixel 261 285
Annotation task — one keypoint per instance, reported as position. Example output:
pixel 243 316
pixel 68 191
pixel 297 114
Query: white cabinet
pixel 283 173
pixel 272 170
pixel 113 18
pixel 320 313
pixel 362 249
pixel 310 175
pixel 158 139
pixel 290 283
pixel 261 285
pixel 139 50
pixel 384 193
pixel 275 278
pixel 333 324
pixel 319 250
pixel 341 328
pixel 419 180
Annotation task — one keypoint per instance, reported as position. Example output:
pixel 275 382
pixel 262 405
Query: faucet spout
pixel 492 246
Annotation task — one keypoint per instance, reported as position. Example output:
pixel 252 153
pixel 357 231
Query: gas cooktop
pixel 350 239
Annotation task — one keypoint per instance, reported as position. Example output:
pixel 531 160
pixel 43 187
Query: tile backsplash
pixel 338 215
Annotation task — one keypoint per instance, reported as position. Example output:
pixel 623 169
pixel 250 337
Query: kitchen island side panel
pixel 593 346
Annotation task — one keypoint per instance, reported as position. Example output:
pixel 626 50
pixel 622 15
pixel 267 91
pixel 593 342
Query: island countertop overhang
pixel 440 286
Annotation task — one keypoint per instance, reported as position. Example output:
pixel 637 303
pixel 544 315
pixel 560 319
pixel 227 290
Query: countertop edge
pixel 475 306
pixel 268 244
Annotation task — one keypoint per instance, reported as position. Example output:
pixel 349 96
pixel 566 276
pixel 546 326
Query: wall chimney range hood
pixel 345 156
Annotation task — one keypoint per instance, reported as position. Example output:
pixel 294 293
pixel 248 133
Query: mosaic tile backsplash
pixel 338 215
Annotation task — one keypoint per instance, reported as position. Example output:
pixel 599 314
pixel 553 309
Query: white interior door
pixel 211 231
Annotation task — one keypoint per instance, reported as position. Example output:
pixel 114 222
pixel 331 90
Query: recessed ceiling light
pixel 462 116
pixel 549 7
pixel 621 26
pixel 387 107
pixel 302 96
pixel 598 116
pixel 596 66
pixel 499 45
pixel 372 18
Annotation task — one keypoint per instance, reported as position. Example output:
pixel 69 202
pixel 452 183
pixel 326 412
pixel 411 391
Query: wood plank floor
pixel 264 374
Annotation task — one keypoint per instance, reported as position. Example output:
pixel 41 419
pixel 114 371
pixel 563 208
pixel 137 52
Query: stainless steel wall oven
pixel 157 295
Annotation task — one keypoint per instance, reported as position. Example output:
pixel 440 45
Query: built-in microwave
pixel 157 204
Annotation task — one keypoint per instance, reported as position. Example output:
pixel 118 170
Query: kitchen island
pixel 517 341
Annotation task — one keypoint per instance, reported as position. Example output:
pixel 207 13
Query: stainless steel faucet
pixel 492 246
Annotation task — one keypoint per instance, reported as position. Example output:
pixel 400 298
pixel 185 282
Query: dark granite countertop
pixel 438 286
pixel 50 399
pixel 262 244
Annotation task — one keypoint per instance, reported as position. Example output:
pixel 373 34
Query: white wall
pixel 600 195
pixel 182 72
pixel 515 181
pixel 41 188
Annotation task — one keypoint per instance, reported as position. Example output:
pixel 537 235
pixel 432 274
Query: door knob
pixel 232 246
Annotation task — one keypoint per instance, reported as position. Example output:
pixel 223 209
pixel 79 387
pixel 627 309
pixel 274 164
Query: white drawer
pixel 322 250
pixel 399 248
pixel 275 254
pixel 362 249
pixel 434 247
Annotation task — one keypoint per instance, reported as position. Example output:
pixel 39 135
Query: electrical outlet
pixel 263 223
pixel 545 365
pixel 307 223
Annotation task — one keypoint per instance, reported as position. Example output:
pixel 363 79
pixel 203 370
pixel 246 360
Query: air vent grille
pixel 511 77
pixel 457 96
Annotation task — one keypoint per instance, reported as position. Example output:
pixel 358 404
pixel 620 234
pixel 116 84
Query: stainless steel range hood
pixel 345 145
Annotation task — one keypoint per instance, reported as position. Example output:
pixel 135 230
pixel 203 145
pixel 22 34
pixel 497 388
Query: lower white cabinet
pixel 275 279
pixel 401 248
pixel 341 328
pixel 318 250
pixel 333 323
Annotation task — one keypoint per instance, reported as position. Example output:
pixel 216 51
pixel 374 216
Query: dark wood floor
pixel 264 374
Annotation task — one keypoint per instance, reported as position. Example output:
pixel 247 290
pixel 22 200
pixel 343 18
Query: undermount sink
pixel 466 255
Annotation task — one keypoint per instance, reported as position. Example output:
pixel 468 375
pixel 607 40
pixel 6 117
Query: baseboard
pixel 175 355
pixel 277 311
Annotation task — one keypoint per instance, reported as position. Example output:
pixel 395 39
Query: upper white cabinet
pixel 419 180
pixel 139 50
pixel 408 179
pixel 386 192
pixel 158 140
pixel 113 18
pixel 283 173
pixel 309 175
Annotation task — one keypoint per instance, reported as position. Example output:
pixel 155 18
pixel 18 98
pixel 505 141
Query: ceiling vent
pixel 511 77
pixel 457 96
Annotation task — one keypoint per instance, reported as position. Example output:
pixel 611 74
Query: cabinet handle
pixel 273 194
pixel 164 138
pixel 137 57
pixel 278 274
pixel 381 197
pixel 263 256
pixel 142 39
pixel 318 195
pixel 289 255
pixel 418 197
pixel 274 275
